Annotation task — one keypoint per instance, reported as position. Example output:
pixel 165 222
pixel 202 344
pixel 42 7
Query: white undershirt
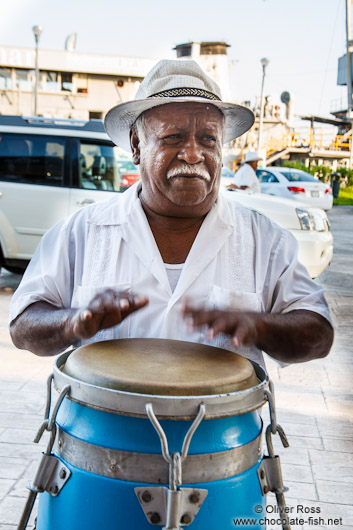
pixel 173 273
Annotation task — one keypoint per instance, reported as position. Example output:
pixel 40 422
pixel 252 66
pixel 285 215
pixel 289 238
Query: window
pixel 298 176
pixel 23 79
pixel 32 159
pixel 66 82
pixel 82 84
pixel 50 82
pixel 5 78
pixel 97 167
pixel 266 176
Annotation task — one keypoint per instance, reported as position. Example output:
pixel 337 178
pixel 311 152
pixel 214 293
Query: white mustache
pixel 192 171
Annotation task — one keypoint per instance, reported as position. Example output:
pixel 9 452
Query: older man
pixel 172 257
pixel 245 178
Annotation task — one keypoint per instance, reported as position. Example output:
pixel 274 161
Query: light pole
pixel 37 30
pixel 264 63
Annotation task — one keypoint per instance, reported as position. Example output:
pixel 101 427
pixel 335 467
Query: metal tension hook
pixel 172 506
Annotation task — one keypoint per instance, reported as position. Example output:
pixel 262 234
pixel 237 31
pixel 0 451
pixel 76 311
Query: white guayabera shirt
pixel 246 176
pixel 239 260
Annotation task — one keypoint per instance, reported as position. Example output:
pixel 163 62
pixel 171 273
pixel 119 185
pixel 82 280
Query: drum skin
pixel 93 502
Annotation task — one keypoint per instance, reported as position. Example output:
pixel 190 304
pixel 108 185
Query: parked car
pixel 51 168
pixel 295 184
pixel 310 226
pixel 128 173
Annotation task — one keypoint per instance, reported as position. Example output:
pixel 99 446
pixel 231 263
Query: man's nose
pixel 191 152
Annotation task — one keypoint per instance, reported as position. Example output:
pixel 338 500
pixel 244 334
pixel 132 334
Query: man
pixel 245 178
pixel 171 257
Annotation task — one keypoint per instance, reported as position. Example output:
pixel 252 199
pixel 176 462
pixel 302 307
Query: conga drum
pixel 156 432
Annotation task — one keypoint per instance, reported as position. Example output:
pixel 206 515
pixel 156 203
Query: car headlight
pixel 305 219
pixel 319 221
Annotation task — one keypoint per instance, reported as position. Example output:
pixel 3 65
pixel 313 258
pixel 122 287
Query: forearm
pixel 43 329
pixel 294 337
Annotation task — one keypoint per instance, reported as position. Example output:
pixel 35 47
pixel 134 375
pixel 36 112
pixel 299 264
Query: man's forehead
pixel 183 112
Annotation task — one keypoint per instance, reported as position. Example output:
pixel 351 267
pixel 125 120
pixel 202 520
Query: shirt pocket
pixel 227 299
pixel 83 295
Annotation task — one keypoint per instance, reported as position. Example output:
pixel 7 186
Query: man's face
pixel 180 158
pixel 254 164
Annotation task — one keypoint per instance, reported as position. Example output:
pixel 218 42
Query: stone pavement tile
pixel 300 400
pixel 20 488
pixel 305 430
pixel 332 427
pixel 291 455
pixel 24 420
pixel 5 487
pixel 337 444
pixel 20 451
pixel 9 385
pixel 332 473
pixel 12 468
pixel 24 436
pixel 297 473
pixel 338 492
pixel 304 442
pixel 21 402
pixel 286 417
pixel 11 510
pixel 296 489
pixel 331 457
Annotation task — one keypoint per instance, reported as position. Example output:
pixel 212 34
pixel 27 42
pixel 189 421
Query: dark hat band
pixel 186 92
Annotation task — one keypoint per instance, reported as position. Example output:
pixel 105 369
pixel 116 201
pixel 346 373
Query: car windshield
pixel 296 176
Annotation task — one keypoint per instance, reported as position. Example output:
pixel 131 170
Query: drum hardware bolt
pixel 54 489
pixel 60 444
pixel 186 519
pixel 155 518
pixel 146 496
pixel 113 467
pixel 262 474
pixel 194 498
pixel 266 489
pixel 62 473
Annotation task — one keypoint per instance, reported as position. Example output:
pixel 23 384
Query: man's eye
pixel 175 136
pixel 209 138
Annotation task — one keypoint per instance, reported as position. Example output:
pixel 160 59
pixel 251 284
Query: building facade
pixel 71 84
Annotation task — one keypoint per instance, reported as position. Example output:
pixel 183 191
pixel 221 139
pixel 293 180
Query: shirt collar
pixel 117 210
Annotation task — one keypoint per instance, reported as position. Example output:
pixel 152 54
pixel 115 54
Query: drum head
pixel 161 367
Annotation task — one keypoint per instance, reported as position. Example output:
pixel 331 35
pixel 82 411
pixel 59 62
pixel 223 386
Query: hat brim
pixel 119 119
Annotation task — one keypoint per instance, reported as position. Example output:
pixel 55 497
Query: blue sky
pixel 302 38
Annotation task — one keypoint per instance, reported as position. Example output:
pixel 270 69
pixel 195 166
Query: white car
pixel 295 184
pixel 50 169
pixel 310 226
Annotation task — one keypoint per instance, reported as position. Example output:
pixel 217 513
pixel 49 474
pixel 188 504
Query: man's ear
pixel 135 146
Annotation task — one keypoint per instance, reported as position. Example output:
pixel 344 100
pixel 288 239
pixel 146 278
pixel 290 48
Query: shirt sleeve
pixel 291 287
pixel 48 277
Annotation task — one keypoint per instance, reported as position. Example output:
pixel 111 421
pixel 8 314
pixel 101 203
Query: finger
pixel 201 317
pixel 224 323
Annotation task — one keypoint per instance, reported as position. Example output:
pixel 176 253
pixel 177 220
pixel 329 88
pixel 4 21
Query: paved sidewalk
pixel 314 401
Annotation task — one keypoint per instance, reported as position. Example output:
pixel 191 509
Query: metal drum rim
pixel 165 407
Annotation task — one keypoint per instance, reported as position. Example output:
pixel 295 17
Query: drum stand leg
pixel 269 472
pixel 51 474
pixel 174 505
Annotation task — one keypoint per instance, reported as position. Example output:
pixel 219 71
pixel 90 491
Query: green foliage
pixel 322 172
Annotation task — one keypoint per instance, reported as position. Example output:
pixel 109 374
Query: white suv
pixel 48 169
pixel 51 168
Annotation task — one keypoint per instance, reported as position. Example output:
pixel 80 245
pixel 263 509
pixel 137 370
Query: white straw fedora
pixel 177 81
pixel 252 156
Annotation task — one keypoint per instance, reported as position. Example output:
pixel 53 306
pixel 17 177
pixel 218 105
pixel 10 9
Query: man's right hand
pixel 107 309
pixel 47 330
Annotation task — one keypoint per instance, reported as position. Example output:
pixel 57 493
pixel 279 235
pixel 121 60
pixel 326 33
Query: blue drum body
pixel 92 501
